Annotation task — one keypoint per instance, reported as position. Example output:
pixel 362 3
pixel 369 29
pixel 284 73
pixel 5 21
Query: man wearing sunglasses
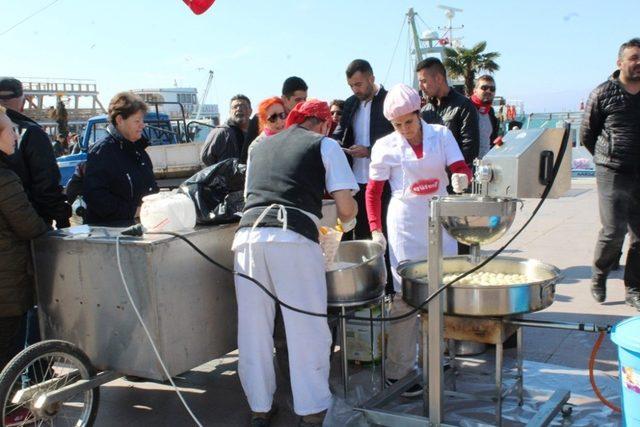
pixel 488 126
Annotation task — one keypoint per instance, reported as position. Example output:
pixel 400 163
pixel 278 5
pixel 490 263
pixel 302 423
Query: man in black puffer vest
pixel 611 132
pixel 277 244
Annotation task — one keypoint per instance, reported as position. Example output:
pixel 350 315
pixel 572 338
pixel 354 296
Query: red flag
pixel 199 6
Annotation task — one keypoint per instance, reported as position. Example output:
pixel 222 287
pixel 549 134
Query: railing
pixel 80 114
pixel 34 88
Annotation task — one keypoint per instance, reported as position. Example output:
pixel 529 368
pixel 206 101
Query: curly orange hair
pixel 264 106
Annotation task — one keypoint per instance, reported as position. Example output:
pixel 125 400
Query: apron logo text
pixel 425 186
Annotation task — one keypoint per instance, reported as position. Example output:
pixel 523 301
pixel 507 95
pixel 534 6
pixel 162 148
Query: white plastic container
pixel 167 211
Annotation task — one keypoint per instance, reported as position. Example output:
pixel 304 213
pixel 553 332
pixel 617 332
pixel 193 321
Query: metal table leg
pixel 383 343
pixel 451 345
pixel 425 361
pixel 499 356
pixel 343 332
pixel 519 356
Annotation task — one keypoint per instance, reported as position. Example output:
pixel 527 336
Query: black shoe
pixel 312 420
pixel 598 292
pixel 633 300
pixel 263 419
pixel 413 391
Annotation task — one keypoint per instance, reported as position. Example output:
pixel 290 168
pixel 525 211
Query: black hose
pixel 556 167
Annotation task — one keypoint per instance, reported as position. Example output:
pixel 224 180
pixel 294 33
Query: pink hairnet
pixel 401 99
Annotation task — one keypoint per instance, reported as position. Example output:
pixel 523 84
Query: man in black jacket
pixel 610 130
pixel 445 106
pixel 34 161
pixel 227 140
pixel 361 125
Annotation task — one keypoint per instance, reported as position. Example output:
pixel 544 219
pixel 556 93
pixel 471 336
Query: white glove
pixel 347 226
pixel 459 182
pixel 378 237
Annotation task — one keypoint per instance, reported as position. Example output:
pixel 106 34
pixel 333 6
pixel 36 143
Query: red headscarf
pixel 311 108
pixel 199 6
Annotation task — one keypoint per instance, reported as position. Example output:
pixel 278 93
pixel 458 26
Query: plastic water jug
pixel 167 211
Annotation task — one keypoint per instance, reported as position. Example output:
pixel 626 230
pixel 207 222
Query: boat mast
pixel 411 18
pixel 204 95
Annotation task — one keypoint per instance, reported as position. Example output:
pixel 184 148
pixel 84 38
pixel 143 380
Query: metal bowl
pixel 363 280
pixel 493 217
pixel 485 300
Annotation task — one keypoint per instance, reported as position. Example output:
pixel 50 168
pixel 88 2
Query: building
pixel 175 100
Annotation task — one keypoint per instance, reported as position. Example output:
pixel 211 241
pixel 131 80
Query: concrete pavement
pixel 562 234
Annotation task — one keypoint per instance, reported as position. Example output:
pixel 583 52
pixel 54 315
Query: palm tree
pixel 466 63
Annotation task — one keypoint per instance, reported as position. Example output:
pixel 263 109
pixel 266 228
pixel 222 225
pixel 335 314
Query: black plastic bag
pixel 217 192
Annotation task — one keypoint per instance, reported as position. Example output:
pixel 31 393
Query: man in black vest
pixel 361 125
pixel 277 244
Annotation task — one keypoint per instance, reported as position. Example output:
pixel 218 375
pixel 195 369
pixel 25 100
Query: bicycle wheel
pixel 42 368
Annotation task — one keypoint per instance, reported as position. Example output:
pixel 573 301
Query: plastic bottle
pixel 167 211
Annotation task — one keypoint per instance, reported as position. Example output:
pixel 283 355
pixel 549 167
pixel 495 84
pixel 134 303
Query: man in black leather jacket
pixel 610 130
pixel 445 106
pixel 34 161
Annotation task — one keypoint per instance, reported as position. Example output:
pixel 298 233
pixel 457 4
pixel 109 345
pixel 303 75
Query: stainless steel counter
pixel 187 303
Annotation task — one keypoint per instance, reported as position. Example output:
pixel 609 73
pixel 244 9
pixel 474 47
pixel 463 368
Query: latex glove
pixel 459 182
pixel 378 237
pixel 346 226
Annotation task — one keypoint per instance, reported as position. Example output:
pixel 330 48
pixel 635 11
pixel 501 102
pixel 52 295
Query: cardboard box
pixel 359 337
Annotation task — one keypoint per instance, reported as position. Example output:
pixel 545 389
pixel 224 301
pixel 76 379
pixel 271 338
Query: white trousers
pixel 294 272
pixel 402 341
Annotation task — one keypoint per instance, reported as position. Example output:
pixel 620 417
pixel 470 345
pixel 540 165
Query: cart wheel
pixel 44 367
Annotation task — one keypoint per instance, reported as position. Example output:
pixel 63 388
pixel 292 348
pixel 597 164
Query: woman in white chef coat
pixel 414 159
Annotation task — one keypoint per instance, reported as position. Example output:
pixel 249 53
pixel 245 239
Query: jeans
pixel 10 338
pixel 619 205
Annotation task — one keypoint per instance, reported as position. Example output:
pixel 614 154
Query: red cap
pixel 311 108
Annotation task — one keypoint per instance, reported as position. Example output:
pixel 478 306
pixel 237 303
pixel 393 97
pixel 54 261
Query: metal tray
pixel 485 300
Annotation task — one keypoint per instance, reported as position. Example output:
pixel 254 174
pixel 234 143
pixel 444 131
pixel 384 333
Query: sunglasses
pixel 274 117
pixel 488 87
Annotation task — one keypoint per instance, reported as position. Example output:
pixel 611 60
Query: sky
pixel 552 53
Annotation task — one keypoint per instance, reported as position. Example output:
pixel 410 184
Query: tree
pixel 466 63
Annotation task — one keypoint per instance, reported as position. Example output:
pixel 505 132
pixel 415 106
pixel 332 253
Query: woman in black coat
pixel 19 223
pixel 119 172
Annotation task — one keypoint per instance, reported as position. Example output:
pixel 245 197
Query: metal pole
pixel 425 360
pixel 436 317
pixel 520 342
pixel 499 356
pixel 343 331
pixel 585 327
pixel 383 343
